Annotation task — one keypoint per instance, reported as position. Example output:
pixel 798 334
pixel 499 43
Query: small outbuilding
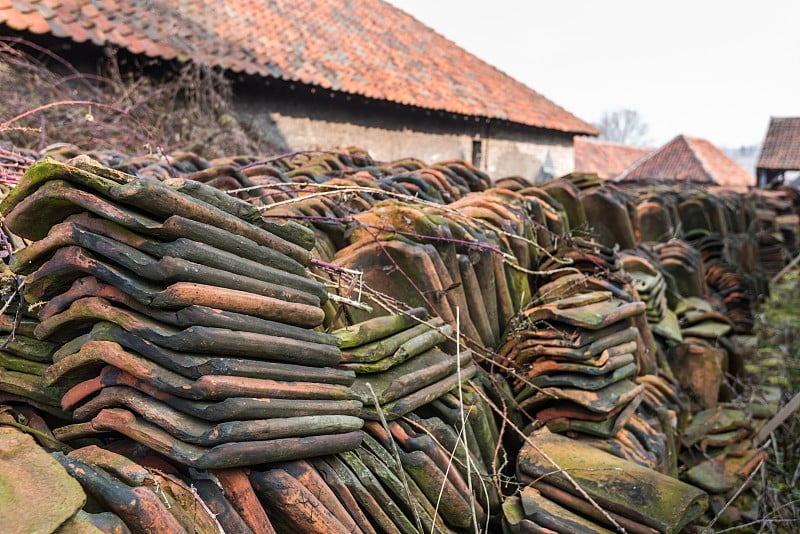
pixel 690 161
pixel 780 154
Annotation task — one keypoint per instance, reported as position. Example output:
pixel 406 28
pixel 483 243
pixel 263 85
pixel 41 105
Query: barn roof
pixel 360 47
pixel 781 150
pixel 605 159
pixel 690 160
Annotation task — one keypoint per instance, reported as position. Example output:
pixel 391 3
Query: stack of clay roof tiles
pixel 366 47
pixel 126 269
pixel 497 338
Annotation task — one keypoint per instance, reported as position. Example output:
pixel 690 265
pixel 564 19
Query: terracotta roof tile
pixel 607 160
pixel 689 160
pixel 30 21
pixel 364 47
pixel 781 148
pixel 76 32
pixel 24 8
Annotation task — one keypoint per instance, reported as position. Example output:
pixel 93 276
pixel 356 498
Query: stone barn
pixel 313 74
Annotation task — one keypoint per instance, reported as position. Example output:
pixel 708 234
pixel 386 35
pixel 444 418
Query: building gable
pixel 688 160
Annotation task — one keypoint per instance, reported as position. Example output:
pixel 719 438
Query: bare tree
pixel 622 126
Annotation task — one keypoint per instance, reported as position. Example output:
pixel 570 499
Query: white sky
pixel 705 68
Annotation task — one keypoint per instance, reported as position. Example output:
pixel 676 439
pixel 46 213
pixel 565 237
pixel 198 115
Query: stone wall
pixel 298 119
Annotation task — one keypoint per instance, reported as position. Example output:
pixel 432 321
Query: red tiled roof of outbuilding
pixel 781 150
pixel 605 159
pixel 362 47
pixel 689 160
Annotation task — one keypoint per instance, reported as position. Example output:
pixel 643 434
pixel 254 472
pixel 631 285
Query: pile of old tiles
pixel 573 487
pixel 184 323
pixel 574 355
pixel 23 357
pixel 425 471
pixel 712 279
pixel 470 256
pixel 23 360
pixel 264 182
pixel 719 450
pixel 106 490
pixel 658 217
pixel 776 224
pixel 414 475
pixel 100 490
pixel 574 352
pixel 707 222
pixel 610 212
pixel 727 285
pixel 353 167
pixel 178 324
pixel 650 283
pixel 399 364
pixel 725 445
pixel 345 198
pixel 694 343
pixel 503 233
pixel 683 267
pixel 720 227
pixel 122 496
pixel 125 487
pixel 701 361
pixel 585 366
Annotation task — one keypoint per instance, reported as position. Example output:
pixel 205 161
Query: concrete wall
pixel 299 118
pixel 511 150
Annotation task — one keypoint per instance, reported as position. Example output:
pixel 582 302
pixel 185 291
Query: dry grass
pixel 182 107
pixel 777 493
pixel 770 500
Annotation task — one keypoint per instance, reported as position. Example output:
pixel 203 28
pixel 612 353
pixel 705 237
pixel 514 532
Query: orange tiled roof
pixel 363 47
pixel 689 160
pixel 781 150
pixel 607 160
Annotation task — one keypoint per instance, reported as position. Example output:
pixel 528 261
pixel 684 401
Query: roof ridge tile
pixel 690 144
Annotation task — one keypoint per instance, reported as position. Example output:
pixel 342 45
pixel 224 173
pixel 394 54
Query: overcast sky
pixel 705 68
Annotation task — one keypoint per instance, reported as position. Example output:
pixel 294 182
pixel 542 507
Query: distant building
pixel 334 73
pixel 780 154
pixel 691 161
pixel 606 160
